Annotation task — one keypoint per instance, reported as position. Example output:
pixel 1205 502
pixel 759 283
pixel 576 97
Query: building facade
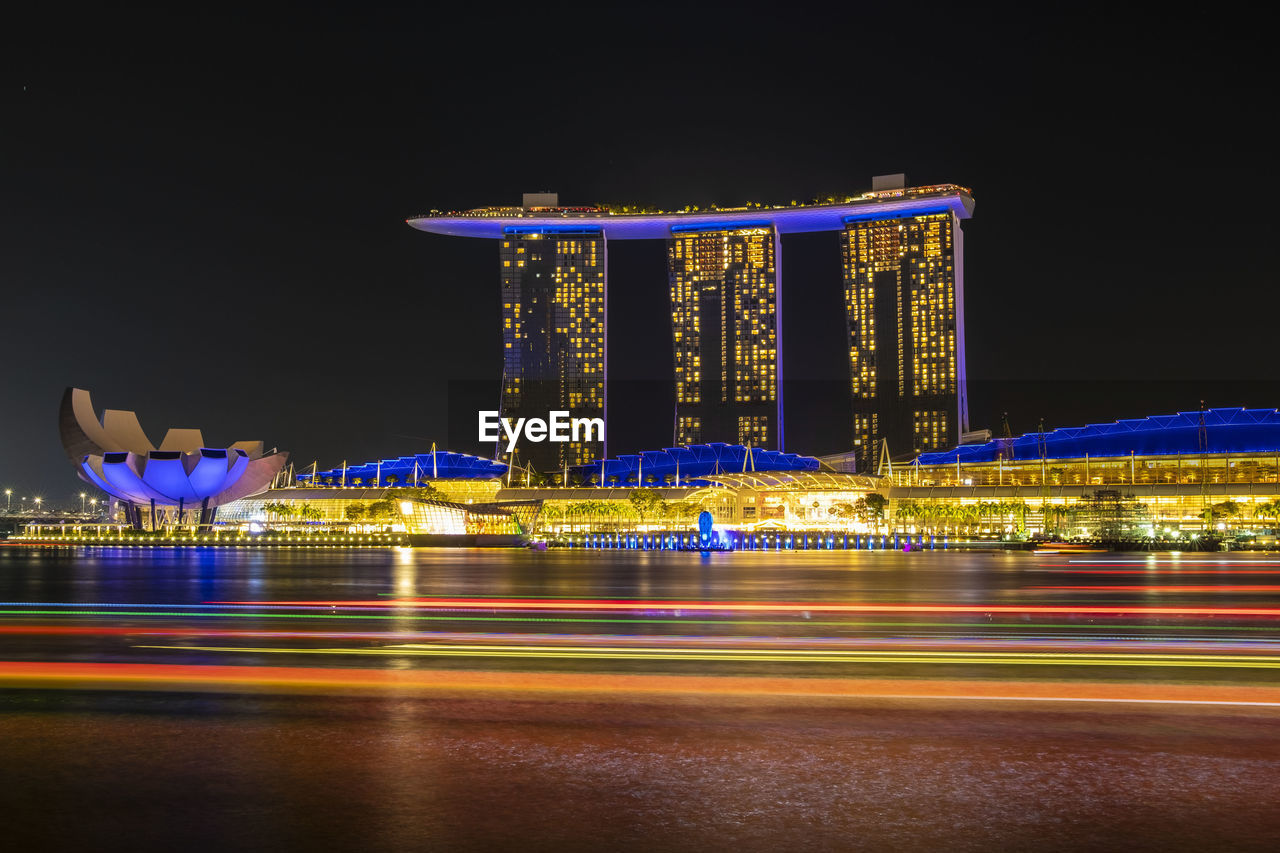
pixel 725 334
pixel 904 292
pixel 904 304
pixel 554 333
pixel 1166 476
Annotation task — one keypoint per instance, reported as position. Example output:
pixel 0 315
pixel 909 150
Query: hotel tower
pixel 553 333
pixel 725 333
pixel 904 301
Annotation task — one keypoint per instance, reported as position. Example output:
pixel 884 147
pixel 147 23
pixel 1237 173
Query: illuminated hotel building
pixel 904 303
pixel 904 296
pixel 553 333
pixel 725 334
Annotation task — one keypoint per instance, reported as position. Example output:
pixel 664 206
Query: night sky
pixel 202 213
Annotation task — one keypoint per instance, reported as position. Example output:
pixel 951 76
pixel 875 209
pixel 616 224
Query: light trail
pixel 956 642
pixel 771 656
pixel 1153 561
pixel 616 687
pixel 1207 587
pixel 763 607
pixel 1148 573
pixel 607 620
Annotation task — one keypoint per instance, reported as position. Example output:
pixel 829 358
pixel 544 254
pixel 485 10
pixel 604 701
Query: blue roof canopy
pixel 443 464
pixel 1225 431
pixel 690 463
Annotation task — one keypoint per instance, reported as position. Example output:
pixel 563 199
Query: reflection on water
pixel 702 770
pixel 217 773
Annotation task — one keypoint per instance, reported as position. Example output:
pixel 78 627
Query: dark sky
pixel 202 212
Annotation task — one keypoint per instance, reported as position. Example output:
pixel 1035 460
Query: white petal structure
pixel 115 455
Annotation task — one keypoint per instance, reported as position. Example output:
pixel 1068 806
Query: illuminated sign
pixel 558 426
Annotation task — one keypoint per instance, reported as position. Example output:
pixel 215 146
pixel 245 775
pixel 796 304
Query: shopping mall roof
pixel 690 465
pixel 1186 433
pixel 421 467
pixel 809 481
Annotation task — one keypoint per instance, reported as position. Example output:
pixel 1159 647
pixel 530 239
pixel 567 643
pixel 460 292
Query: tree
pixel 1224 510
pixel 876 504
pixel 354 511
pixel 1270 509
pixel 421 493
pixel 279 509
pixel 644 501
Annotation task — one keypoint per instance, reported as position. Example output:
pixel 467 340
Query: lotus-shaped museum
pixel 114 454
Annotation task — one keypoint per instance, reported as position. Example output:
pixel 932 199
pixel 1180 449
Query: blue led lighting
pixel 584 230
pixel 699 227
pixel 692 464
pixel 443 464
pixel 1251 431
pixel 802 219
pixel 870 217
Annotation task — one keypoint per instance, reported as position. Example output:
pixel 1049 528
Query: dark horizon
pixel 205 218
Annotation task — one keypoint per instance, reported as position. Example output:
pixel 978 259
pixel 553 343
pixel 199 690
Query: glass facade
pixel 725 335
pixel 553 334
pixel 904 308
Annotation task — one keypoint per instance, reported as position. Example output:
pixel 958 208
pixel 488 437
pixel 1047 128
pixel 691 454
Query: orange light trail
pixel 552 685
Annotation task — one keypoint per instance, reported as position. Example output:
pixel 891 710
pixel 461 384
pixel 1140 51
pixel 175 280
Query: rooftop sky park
pixel 902 256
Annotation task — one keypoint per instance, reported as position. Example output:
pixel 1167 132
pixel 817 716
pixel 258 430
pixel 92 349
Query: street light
pixel 8 500
pixel 38 504
pixel 82 503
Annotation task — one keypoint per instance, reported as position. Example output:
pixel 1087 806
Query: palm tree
pixel 1270 509
pixel 906 509
pixel 985 510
